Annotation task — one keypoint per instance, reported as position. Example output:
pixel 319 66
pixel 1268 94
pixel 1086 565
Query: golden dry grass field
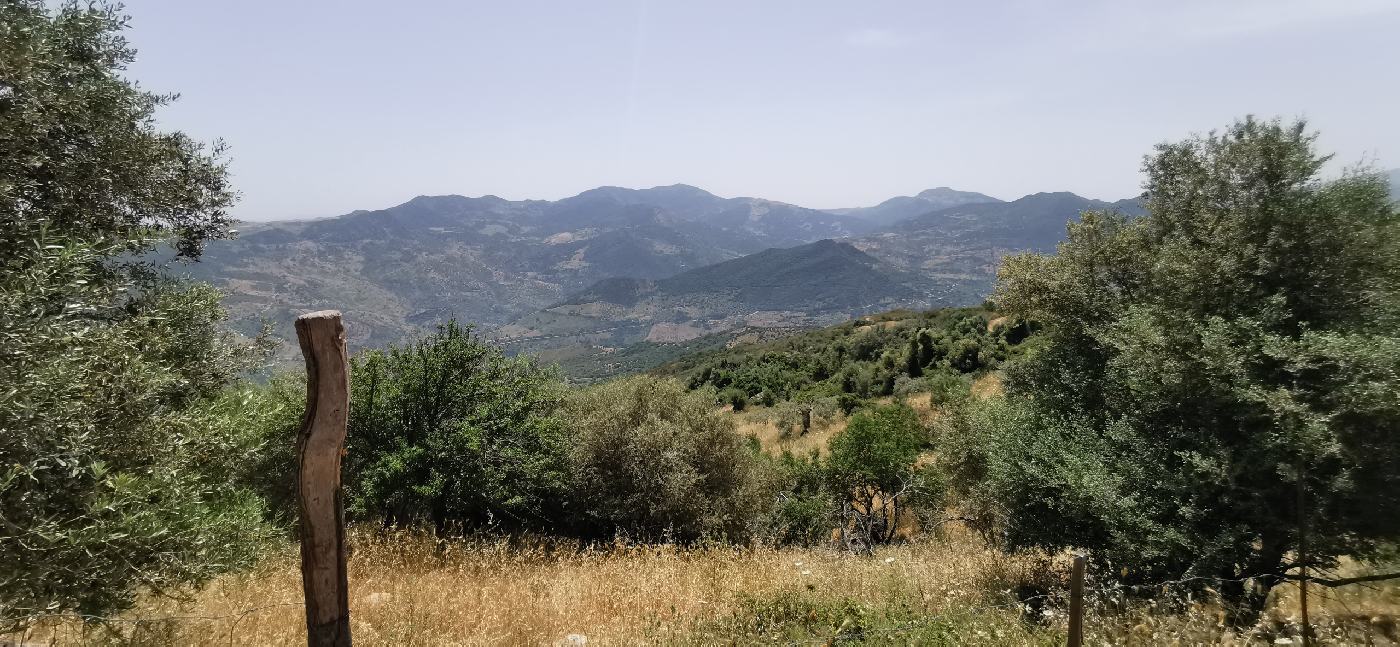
pixel 409 589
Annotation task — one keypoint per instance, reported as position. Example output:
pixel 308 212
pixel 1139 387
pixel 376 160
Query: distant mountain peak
pixel 1049 193
pixel 681 188
pixel 903 207
pixel 943 192
pixel 672 191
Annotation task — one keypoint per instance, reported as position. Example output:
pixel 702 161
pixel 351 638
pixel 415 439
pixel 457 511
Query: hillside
pixel 822 282
pixel 956 250
pixel 588 266
pixel 490 260
pixel 941 258
pixel 890 353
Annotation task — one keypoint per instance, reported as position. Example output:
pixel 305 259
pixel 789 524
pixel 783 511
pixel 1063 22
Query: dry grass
pixel 758 422
pixel 988 385
pixel 407 589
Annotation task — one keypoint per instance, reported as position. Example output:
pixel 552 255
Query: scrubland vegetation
pixel 1204 400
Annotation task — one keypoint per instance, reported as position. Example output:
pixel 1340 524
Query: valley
pixel 600 280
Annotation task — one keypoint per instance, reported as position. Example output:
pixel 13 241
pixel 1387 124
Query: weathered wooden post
pixel 319 445
pixel 1076 603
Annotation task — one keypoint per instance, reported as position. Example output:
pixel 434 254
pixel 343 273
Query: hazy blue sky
pixel 331 107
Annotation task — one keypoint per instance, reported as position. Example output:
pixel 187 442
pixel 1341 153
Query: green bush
pixel 848 403
pixel 446 429
pixel 947 388
pixel 651 460
pixel 264 420
pixel 874 460
pixel 804 509
pixel 1033 480
pixel 735 398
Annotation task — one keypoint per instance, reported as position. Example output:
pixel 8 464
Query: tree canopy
pixel 447 429
pixel 1207 366
pixel 112 438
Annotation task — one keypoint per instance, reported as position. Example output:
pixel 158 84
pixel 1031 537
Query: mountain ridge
pixel 813 284
pixel 492 261
pixel 899 208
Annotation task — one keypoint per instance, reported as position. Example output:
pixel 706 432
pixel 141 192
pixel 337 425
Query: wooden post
pixel 1076 603
pixel 319 445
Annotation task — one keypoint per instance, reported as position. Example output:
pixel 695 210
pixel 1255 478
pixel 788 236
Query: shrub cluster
pixel 878 356
pixel 447 431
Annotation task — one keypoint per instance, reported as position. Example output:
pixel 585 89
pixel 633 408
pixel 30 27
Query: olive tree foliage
pixel 447 429
pixel 111 373
pixel 80 156
pixel 1203 368
pixel 652 460
pixel 873 466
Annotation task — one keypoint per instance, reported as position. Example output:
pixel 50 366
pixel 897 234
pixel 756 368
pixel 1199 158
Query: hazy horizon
pixel 333 108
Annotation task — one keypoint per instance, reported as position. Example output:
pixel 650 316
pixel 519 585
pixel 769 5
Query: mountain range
pixel 592 274
pixel 489 260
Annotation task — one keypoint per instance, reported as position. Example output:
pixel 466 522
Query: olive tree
pixel 652 460
pixel 110 444
pixel 1218 379
pixel 873 469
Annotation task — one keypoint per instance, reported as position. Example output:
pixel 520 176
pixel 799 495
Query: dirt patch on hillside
pixel 988 385
pixel 670 333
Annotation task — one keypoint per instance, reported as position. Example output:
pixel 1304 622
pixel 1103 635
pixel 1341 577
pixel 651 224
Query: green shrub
pixel 652 460
pixel 873 459
pixel 735 398
pixel 263 420
pixel 947 388
pixel 804 509
pixel 447 429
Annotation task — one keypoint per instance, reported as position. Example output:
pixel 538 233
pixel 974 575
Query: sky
pixel 330 107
